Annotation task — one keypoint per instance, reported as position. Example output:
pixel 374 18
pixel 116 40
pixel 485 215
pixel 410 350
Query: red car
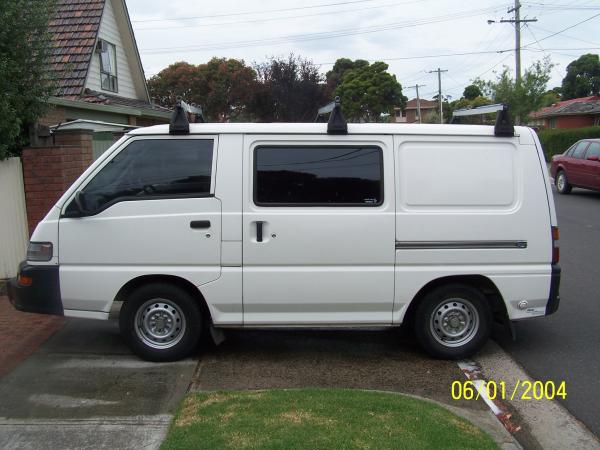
pixel 579 166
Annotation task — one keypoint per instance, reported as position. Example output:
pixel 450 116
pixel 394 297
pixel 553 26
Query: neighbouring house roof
pixel 425 104
pixel 74 32
pixel 575 106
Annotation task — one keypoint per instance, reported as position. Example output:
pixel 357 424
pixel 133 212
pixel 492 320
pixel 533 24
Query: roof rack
pixel 180 123
pixel 504 126
pixel 337 122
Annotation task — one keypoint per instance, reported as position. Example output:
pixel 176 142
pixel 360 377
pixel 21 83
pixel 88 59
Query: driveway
pixel 84 389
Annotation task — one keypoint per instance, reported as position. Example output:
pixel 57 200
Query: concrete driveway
pixel 84 389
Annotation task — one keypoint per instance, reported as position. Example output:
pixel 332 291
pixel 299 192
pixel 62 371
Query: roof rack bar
pixel 337 122
pixel 504 126
pixel 180 123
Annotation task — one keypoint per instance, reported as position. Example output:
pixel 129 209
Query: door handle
pixel 200 224
pixel 259 231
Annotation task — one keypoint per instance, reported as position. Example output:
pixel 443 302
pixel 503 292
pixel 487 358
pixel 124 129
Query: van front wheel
pixel 161 322
pixel 453 321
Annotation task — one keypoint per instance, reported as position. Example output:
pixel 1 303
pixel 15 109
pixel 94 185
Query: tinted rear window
pixel 318 176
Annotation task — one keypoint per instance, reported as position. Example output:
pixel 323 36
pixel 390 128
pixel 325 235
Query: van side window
pixel 318 176
pixel 148 169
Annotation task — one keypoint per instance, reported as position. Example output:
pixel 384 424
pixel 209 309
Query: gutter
pixel 109 108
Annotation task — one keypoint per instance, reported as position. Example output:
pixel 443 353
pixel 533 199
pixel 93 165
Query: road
pixel 566 345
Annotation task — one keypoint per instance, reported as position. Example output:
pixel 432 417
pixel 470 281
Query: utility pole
pixel 517 21
pixel 417 86
pixel 439 72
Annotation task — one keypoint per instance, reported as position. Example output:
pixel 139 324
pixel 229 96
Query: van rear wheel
pixel 453 321
pixel 161 322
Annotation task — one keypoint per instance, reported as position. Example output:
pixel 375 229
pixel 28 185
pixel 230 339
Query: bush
pixel 556 141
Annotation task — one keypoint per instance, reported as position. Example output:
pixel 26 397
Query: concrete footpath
pixel 84 389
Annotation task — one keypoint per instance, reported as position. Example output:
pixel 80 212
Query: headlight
pixel 39 251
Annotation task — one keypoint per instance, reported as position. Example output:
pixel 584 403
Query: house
pixel 97 66
pixel 410 112
pixel 574 113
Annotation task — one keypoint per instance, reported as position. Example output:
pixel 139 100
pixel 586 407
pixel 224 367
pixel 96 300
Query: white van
pixel 444 227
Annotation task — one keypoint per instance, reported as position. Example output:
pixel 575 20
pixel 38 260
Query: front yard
pixel 318 419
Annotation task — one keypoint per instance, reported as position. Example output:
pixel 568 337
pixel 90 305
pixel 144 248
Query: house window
pixel 108 66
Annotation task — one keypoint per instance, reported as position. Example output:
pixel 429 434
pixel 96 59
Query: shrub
pixel 556 141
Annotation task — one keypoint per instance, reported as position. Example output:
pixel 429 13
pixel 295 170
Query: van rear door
pixel 318 230
pixel 150 210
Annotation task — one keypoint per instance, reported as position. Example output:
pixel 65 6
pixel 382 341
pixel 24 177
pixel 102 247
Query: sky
pixel 413 36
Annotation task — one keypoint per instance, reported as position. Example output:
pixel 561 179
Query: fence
pixel 13 217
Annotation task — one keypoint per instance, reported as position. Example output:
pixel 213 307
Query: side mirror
pixel 593 158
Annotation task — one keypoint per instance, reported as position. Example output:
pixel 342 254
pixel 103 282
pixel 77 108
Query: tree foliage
pixel 368 92
pixel 289 90
pixel 522 98
pixel 341 66
pixel 471 92
pixel 25 81
pixel 223 87
pixel 583 77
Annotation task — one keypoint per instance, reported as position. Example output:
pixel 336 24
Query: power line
pixel 278 19
pixel 323 35
pixel 563 30
pixel 246 13
pixel 564 35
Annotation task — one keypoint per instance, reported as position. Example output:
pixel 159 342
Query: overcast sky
pixel 399 32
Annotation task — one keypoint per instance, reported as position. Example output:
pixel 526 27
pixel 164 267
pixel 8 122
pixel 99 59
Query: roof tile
pixel 73 30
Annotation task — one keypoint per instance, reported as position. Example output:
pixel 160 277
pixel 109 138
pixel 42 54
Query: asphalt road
pixel 566 345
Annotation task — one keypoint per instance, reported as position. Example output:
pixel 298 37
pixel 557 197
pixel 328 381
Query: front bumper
pixel 42 296
pixel 554 297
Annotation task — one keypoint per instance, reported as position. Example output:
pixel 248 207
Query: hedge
pixel 555 141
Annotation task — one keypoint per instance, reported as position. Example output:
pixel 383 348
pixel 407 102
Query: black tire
pixel 452 304
pixel 166 306
pixel 562 186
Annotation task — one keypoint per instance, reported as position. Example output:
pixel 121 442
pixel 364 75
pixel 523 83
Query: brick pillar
pixel 49 171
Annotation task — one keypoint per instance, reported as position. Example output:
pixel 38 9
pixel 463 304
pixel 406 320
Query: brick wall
pixel 49 171
pixel 574 121
pixel 54 116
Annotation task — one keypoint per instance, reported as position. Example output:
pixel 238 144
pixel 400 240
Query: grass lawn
pixel 318 419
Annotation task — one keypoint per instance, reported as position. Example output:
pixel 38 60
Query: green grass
pixel 318 419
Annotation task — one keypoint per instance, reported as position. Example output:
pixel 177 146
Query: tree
pixel 223 87
pixel 341 66
pixel 522 98
pixel 369 92
pixel 289 90
pixel 472 91
pixel 583 77
pixel 25 81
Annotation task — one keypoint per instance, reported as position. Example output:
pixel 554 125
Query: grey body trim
pixel 440 245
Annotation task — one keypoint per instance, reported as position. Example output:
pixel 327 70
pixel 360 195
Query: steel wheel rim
pixel 454 322
pixel 561 181
pixel 160 323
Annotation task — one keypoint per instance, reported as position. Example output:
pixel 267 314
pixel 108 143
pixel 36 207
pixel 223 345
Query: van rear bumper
pixel 554 298
pixel 42 295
